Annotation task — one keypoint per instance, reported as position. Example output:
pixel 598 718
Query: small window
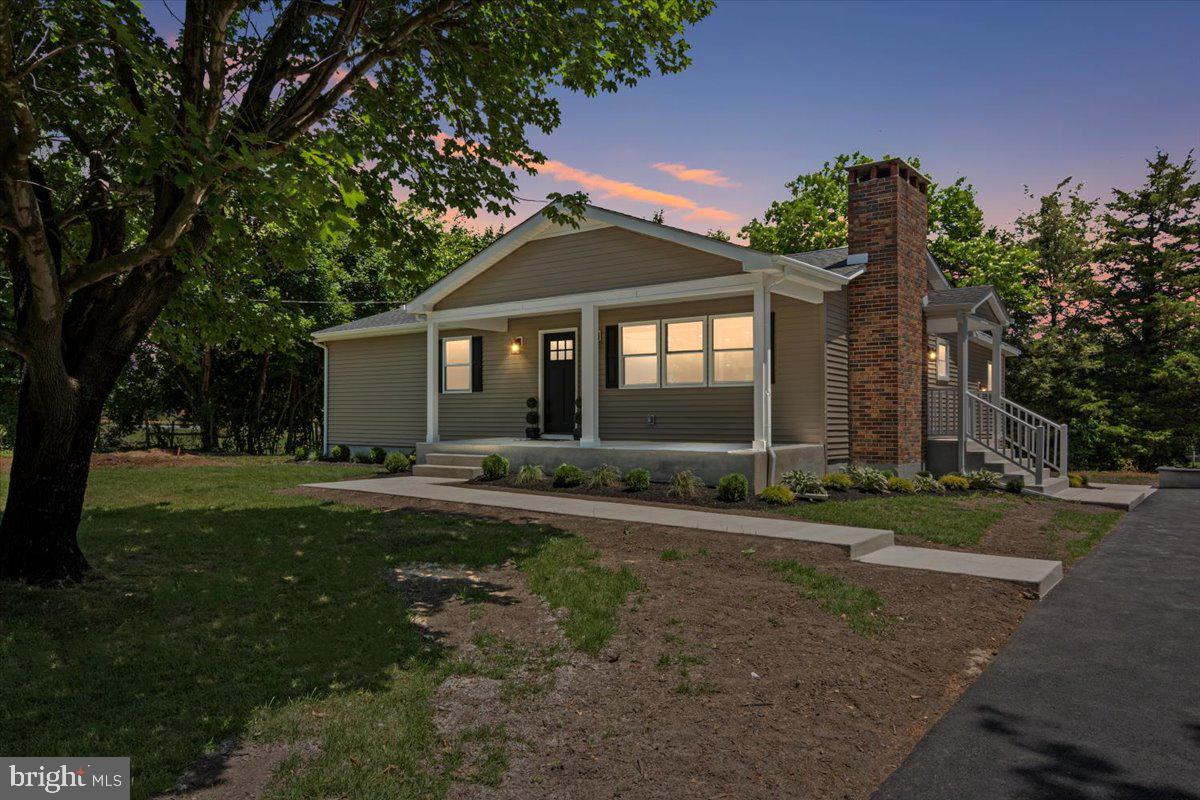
pixel 456 364
pixel 733 349
pixel 989 385
pixel 943 360
pixel 562 349
pixel 684 352
pixel 639 354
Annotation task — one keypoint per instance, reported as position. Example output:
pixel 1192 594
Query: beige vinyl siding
pixel 799 390
pixel 696 414
pixel 377 391
pixel 590 261
pixel 837 378
pixel 508 379
pixel 979 357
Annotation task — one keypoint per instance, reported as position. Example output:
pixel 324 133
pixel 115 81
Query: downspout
pixel 324 399
pixel 768 424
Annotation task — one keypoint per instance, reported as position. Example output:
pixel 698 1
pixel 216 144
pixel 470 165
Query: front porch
pixel 709 460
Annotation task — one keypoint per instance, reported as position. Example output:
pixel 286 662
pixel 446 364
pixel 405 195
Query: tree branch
pixel 28 69
pixel 10 342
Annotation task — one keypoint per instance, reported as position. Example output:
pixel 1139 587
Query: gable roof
pixel 968 299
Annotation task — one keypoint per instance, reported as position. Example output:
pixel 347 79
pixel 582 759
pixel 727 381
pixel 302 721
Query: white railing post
pixel 963 372
pixel 1039 452
pixel 1062 451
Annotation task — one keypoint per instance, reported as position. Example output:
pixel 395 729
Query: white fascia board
pixel 634 295
pixel 366 333
pixel 813 275
pixel 984 337
pixel 798 290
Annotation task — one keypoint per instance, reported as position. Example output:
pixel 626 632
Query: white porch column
pixel 431 382
pixel 997 387
pixel 762 366
pixel 325 401
pixel 963 374
pixel 589 394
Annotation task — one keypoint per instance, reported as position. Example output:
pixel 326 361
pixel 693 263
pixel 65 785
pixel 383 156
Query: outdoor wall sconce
pixel 932 354
pixel 514 346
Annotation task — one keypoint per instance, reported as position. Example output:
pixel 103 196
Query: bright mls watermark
pixel 84 778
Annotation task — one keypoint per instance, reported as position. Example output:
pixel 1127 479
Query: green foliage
pixel 339 452
pixel 1015 485
pixel 377 455
pixel 530 475
pixel 733 488
pixel 802 482
pixel 300 453
pixel 777 495
pixel 604 476
pixel 637 480
pixel 867 479
pixel 396 462
pixel 568 475
pixel 982 479
pixel 838 481
pixel 954 483
pixel 362 457
pixel 495 466
pixel 900 485
pixel 926 484
pixel 685 485
pixel 1077 480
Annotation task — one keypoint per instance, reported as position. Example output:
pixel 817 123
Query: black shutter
pixel 441 350
pixel 612 371
pixel 476 363
pixel 772 346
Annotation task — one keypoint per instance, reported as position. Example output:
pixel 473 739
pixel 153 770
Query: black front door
pixel 558 382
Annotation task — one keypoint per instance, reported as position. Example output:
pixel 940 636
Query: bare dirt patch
pixel 236 772
pixel 723 679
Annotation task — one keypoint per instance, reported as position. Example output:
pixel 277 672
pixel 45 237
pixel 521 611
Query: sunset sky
pixel 1007 95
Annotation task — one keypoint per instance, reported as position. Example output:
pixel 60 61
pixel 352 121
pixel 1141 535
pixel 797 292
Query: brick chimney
pixel 887 221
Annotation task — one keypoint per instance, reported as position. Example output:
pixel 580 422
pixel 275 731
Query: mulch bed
pixel 800 706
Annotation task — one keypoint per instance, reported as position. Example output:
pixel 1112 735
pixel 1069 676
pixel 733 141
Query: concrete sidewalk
pixel 1097 695
pixel 861 544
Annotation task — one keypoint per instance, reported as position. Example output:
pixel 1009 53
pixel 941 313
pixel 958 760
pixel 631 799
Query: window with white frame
pixel 684 352
pixel 990 385
pixel 943 360
pixel 456 364
pixel 732 337
pixel 639 354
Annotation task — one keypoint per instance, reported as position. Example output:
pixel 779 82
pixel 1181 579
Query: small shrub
pixel 927 484
pixel 777 495
pixel 868 479
pixel 954 483
pixel 495 467
pixel 685 485
pixel 377 455
pixel 983 479
pixel 838 481
pixel 924 474
pixel 801 482
pixel 605 476
pixel 637 480
pixel 1077 480
pixel 900 485
pixel 362 457
pixel 1015 485
pixel 733 488
pixel 395 462
pixel 671 554
pixel 339 452
pixel 568 475
pixel 530 475
pixel 300 453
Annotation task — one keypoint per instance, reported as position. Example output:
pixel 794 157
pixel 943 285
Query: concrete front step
pixel 455 459
pixel 445 471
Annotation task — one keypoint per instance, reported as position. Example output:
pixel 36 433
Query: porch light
pixel 514 346
pixel 932 354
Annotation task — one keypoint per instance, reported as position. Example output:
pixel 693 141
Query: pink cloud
pixel 610 187
pixel 708 177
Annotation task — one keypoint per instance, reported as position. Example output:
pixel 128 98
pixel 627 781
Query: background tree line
pixel 1105 297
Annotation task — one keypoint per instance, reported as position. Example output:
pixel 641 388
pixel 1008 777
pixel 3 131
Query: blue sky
pixel 1004 94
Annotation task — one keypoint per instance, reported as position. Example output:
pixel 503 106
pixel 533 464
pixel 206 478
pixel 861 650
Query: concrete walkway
pixel 1125 496
pixel 861 544
pixel 1097 695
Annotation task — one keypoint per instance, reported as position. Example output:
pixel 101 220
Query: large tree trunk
pixel 45 493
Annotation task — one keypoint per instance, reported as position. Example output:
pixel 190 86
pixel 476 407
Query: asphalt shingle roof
pixel 396 316
pixel 830 258
pixel 960 296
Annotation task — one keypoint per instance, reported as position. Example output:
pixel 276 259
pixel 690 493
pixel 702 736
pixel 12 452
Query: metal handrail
pixel 1032 445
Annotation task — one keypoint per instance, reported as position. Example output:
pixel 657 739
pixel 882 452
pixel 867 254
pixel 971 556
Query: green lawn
pixel 949 520
pixel 222 608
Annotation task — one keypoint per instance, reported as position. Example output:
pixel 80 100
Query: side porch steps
pixel 979 457
pixel 462 466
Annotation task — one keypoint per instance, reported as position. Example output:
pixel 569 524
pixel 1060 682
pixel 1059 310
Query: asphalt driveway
pixel 1097 695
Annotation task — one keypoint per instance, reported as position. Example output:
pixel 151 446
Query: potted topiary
pixel 578 432
pixel 532 418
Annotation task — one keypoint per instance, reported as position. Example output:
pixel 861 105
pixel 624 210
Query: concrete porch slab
pixel 1036 573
